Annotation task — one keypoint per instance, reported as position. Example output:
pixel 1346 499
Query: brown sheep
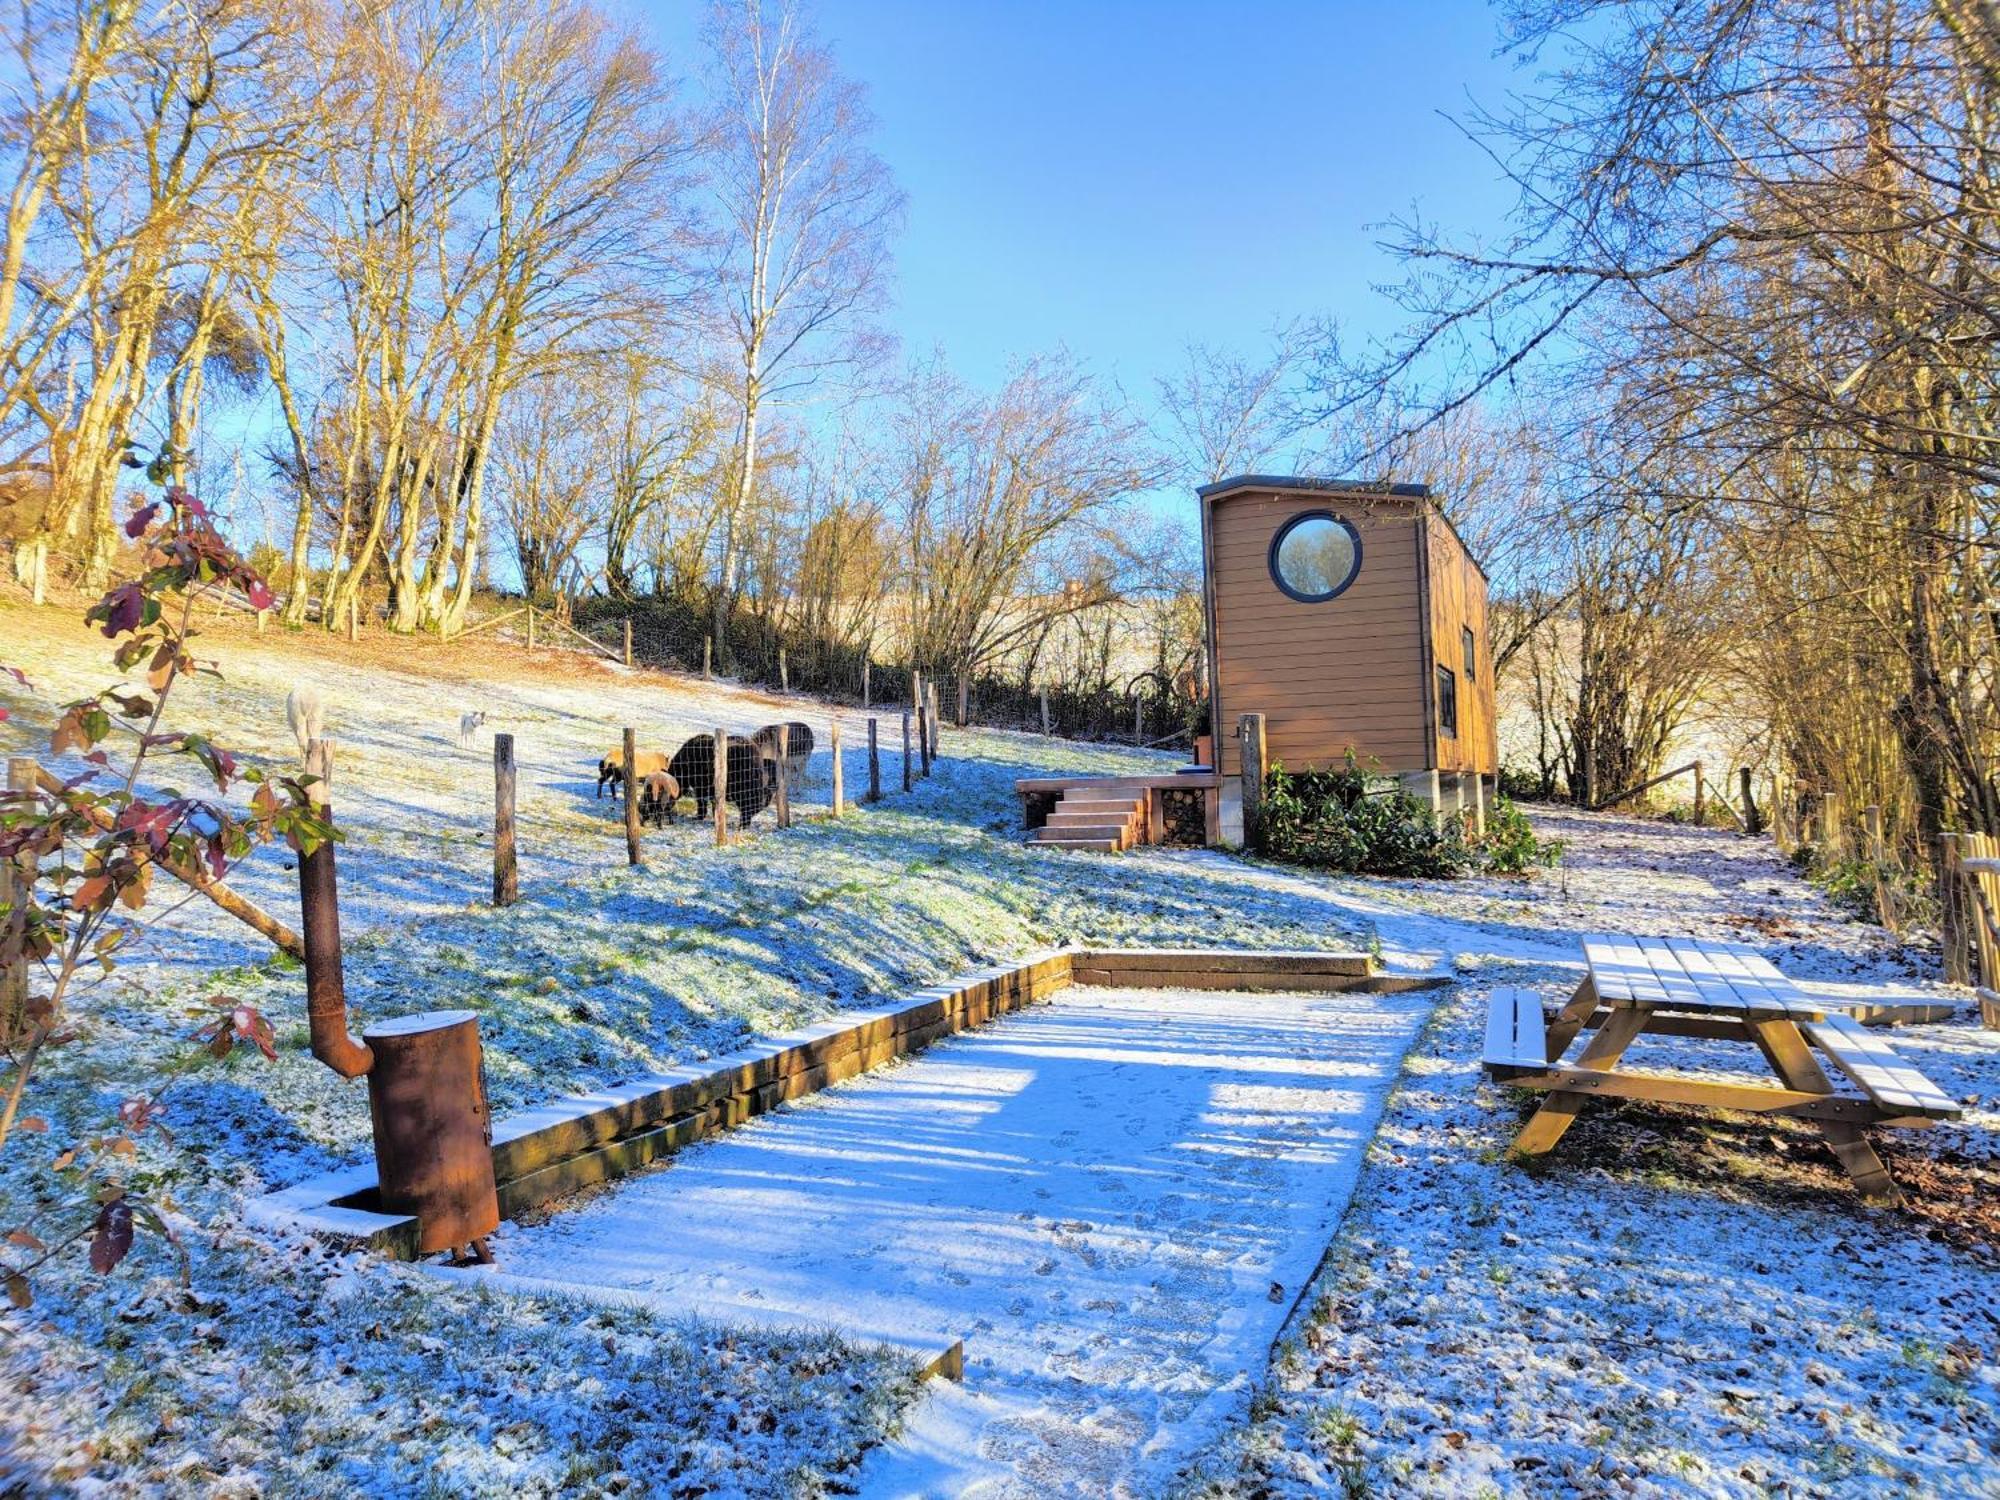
pixel 611 769
pixel 657 795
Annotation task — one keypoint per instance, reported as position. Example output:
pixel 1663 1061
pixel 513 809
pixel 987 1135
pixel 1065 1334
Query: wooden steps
pixel 1101 819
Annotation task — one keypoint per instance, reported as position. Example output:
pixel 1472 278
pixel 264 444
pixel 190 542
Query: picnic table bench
pixel 1715 991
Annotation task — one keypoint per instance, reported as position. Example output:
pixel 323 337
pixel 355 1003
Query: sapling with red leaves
pixel 96 838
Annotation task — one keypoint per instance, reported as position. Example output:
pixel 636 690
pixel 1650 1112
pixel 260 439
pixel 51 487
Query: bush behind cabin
pixel 1343 820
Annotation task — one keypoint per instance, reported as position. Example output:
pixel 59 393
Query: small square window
pixel 1447 701
pixel 1471 655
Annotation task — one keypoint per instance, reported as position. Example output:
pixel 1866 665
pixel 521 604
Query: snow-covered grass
pixel 600 973
pixel 1672 1304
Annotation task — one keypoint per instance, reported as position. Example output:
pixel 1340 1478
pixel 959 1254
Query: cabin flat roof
pixel 1307 484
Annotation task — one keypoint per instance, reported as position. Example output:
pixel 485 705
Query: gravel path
pixel 1113 1200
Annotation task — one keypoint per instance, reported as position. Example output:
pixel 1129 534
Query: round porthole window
pixel 1314 556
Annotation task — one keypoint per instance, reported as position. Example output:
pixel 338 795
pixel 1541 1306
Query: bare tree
pixel 806 213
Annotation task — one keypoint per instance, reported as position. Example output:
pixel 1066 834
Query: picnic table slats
pixel 1751 975
pixel 1683 989
pixel 1516 1030
pixel 1878 1070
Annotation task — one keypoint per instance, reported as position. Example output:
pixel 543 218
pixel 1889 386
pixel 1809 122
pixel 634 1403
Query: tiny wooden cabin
pixel 1349 615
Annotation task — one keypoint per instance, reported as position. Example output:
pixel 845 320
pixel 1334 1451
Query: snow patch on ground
pixel 1113 1199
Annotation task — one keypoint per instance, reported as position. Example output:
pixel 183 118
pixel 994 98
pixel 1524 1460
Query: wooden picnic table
pixel 1716 991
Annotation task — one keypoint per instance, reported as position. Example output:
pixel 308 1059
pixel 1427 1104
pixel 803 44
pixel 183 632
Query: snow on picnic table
pixel 1671 1304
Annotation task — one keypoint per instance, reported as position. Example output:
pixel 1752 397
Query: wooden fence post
pixel 923 735
pixel 784 673
pixel 17 884
pixel 707 657
pixel 874 765
pixel 906 749
pixel 833 737
pixel 1045 711
pixel 1700 797
pixel 864 681
pixel 1951 913
pixel 784 776
pixel 931 759
pixel 263 619
pixel 1250 730
pixel 628 640
pixel 506 877
pixel 721 788
pixel 631 796
pixel 964 699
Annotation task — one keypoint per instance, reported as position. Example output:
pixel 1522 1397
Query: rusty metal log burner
pixel 426 1097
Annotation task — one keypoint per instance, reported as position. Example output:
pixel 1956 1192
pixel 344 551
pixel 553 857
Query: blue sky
pixel 1119 177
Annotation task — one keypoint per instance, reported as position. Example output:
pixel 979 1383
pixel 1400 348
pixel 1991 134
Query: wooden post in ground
pixel 506 878
pixel 874 765
pixel 784 673
pixel 906 749
pixel 1951 914
pixel 707 657
pixel 1250 733
pixel 263 619
pixel 631 796
pixel 39 572
pixel 923 733
pixel 931 759
pixel 721 779
pixel 1833 827
pixel 864 681
pixel 1750 820
pixel 784 776
pixel 628 640
pixel 833 748
pixel 1700 797
pixel 1045 711
pixel 17 883
pixel 964 700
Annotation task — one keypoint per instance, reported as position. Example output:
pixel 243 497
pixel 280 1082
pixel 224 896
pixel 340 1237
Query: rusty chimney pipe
pixel 319 911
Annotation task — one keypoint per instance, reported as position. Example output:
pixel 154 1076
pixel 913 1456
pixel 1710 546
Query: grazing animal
pixel 798 748
pixel 611 769
pixel 467 724
pixel 751 775
pixel 657 795
pixel 307 716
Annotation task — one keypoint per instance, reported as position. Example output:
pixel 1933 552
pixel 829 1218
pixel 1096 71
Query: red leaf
pixel 113 1238
pixel 141 519
pixel 25 1240
pixel 34 1123
pixel 259 594
pixel 17 1290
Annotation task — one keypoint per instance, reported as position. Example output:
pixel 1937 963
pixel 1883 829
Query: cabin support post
pixel 1250 733
pixel 1423 785
pixel 1472 800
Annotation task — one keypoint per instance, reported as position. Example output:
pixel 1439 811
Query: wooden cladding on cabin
pixel 1457 592
pixel 1327 675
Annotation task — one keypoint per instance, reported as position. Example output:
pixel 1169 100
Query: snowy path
pixel 1113 1199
